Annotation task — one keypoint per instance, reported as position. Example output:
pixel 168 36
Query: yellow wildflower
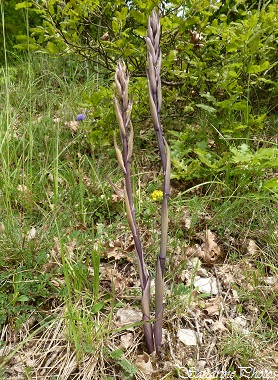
pixel 157 195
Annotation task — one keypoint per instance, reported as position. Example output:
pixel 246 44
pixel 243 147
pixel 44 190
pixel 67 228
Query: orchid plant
pixel 123 108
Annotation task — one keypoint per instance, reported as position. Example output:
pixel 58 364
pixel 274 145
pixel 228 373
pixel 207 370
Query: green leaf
pixel 238 106
pixel 23 298
pixel 24 4
pixel 241 154
pixel 204 295
pixel 129 368
pixel 123 14
pixel 206 108
pixel 231 47
pixel 254 69
pixel 209 97
pixel 271 184
pixel 115 26
pixel 140 32
pixel 97 307
pixel 139 16
pixel 51 47
pixel 232 74
pixel 116 354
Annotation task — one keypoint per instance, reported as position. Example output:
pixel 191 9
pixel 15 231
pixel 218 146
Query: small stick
pixel 220 294
pixel 196 325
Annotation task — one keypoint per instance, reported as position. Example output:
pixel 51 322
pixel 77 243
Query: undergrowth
pixel 66 255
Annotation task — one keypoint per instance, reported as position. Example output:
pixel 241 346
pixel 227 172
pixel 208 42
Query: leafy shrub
pixel 230 55
pixel 219 63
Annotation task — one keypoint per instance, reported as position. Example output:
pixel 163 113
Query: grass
pixel 66 254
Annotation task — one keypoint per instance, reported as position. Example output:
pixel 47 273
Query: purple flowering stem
pixel 155 100
pixel 123 108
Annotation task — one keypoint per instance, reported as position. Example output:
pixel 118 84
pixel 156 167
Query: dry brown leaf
pixel 211 249
pixel 252 248
pixel 118 250
pixel 31 233
pixel 235 296
pixel 22 189
pixel 200 365
pixel 126 340
pixel 187 336
pixel 119 281
pixel 213 306
pixel 270 280
pixel 218 326
pixel 143 363
pixel 225 275
pixel 185 219
pixel 128 316
pixel 80 227
pixel 71 246
pixel 196 250
pixel 239 324
pixel 72 125
pixel 116 253
pixel 105 36
pixel 206 285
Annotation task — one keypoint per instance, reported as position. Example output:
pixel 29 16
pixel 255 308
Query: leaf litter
pixel 194 338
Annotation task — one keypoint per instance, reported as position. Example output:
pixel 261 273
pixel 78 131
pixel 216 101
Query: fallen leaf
pixel 116 253
pixel 73 125
pixel 270 280
pixel 105 37
pixel 128 316
pixel 22 189
pixel 239 323
pixel 211 249
pixel 206 285
pixel 119 281
pixel 185 219
pixel 218 326
pixel 126 340
pixel 213 306
pixel 187 336
pixel 200 366
pixel 234 295
pixel 194 263
pixel 31 234
pixel 226 277
pixel 143 363
pixel 252 248
pixel 196 250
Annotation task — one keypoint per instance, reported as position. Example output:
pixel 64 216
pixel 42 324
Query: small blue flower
pixel 80 117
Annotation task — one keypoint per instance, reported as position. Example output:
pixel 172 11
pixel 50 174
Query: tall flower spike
pixel 155 101
pixel 123 107
pixel 154 81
